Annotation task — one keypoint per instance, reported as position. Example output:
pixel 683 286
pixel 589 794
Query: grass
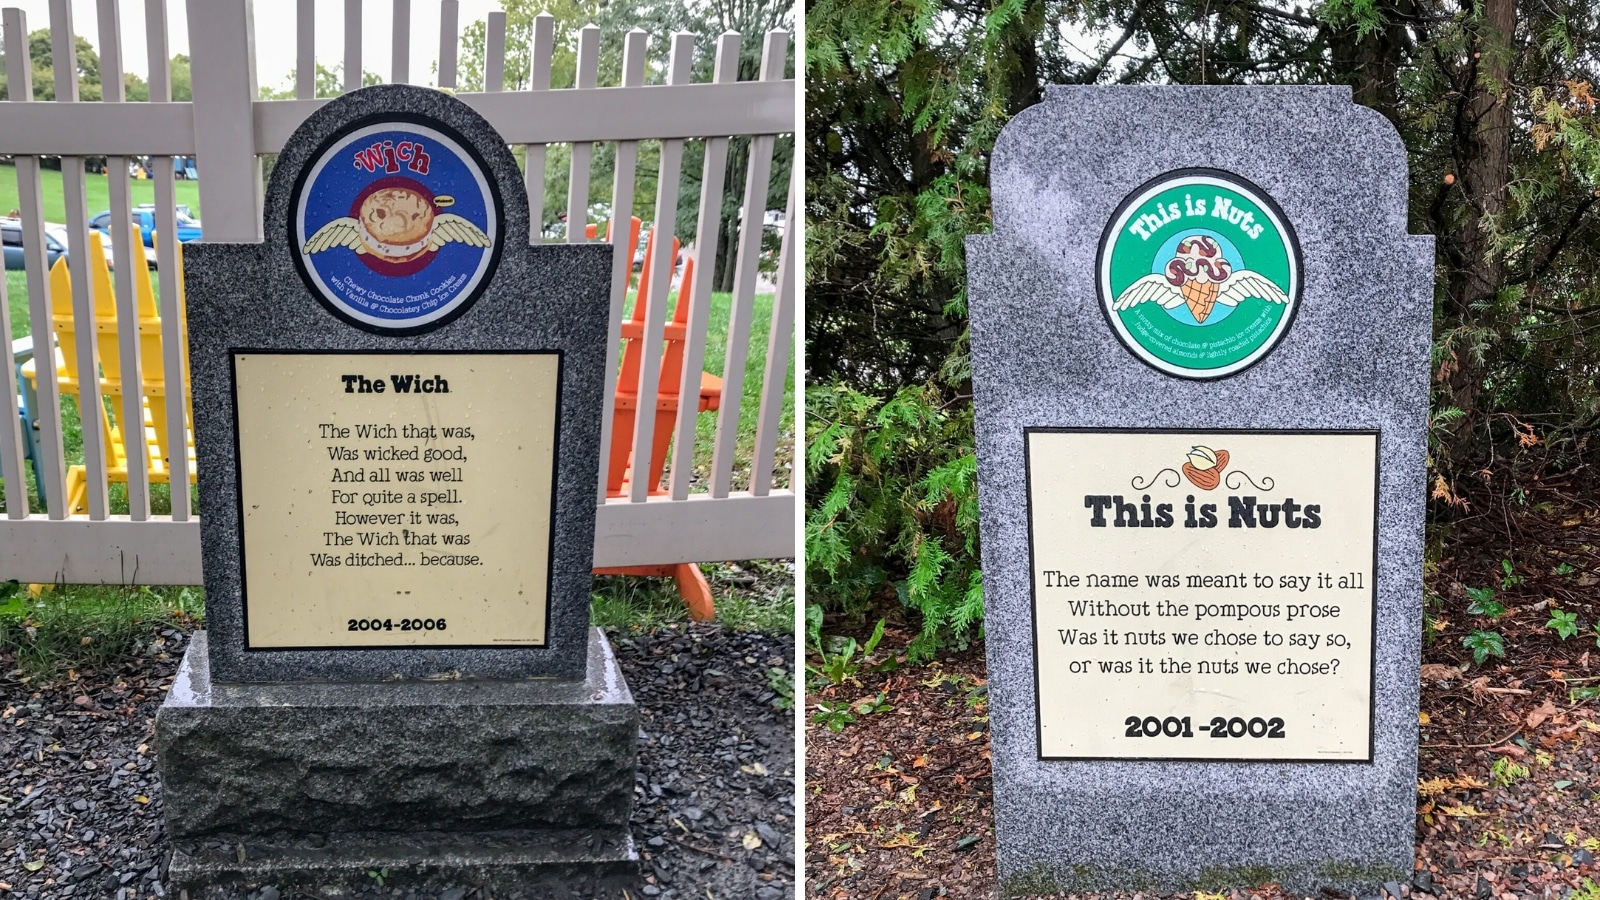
pixel 645 604
pixel 97 193
pixel 17 302
pixel 84 627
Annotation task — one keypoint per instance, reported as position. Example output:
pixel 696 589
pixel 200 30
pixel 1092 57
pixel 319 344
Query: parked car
pixel 56 244
pixel 144 216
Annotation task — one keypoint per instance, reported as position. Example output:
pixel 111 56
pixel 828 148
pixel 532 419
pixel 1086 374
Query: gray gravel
pixel 80 803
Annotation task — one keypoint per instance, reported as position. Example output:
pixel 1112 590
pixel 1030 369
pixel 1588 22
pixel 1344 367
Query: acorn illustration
pixel 1204 467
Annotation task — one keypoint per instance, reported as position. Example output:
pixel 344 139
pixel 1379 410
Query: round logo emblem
pixel 1199 273
pixel 395 225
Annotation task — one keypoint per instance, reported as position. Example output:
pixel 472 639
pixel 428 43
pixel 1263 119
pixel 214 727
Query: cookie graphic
pixel 396 225
pixel 396 222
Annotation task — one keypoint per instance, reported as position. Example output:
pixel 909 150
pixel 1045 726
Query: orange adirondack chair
pixel 621 467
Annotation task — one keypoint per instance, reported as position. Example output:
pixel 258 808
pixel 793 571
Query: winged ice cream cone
pixel 1201 296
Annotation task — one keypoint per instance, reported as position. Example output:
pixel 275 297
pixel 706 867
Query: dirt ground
pixel 899 802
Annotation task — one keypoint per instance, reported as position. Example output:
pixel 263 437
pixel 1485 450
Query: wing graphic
pixel 1245 284
pixel 341 232
pixel 1150 287
pixel 450 227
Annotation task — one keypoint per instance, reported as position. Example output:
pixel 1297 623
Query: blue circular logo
pixel 396 225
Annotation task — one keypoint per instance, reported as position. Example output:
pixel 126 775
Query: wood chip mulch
pixel 898 802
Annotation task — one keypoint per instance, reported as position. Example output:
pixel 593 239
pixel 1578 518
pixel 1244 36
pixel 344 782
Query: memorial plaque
pixel 404 500
pixel 1203 595
pixel 1200 376
pixel 397 406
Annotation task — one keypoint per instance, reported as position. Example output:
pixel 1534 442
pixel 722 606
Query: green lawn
pixel 97 190
pixel 750 404
pixel 17 301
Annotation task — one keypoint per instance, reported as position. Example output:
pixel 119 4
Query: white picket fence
pixel 228 130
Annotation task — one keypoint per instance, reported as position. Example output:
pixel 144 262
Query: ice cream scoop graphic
pixel 1204 467
pixel 396 225
pixel 1201 277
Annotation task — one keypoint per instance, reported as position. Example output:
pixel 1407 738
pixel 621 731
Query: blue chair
pixel 21 352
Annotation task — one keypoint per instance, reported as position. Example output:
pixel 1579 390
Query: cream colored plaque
pixel 396 500
pixel 1203 595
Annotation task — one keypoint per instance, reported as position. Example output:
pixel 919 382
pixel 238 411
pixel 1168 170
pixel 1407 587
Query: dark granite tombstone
pixel 397 406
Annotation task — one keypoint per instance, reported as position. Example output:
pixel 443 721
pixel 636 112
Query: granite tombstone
pixel 1200 366
pixel 397 406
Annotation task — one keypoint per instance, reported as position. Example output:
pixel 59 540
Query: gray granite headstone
pixel 397 406
pixel 1139 355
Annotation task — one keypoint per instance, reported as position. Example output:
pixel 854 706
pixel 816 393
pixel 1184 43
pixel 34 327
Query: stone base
pixel 513 785
pixel 541 865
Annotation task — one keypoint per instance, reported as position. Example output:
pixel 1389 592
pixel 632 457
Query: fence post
pixel 222 43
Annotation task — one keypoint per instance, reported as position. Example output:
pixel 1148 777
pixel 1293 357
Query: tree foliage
pixel 659 20
pixel 1494 100
pixel 42 57
pixel 329 82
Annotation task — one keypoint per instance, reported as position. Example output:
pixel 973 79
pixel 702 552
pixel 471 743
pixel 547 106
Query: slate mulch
pixel 716 813
pixel 80 803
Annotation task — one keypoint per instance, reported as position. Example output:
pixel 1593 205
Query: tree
pixel 1492 98
pixel 659 19
pixel 182 84
pixel 43 57
pixel 329 83
pixel 88 70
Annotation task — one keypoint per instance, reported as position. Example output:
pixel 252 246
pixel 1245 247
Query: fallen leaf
pixel 1538 716
pixel 751 841
pixel 1433 787
pixel 141 799
pixel 1436 672
pixel 919 762
pixel 33 865
pixel 1422 718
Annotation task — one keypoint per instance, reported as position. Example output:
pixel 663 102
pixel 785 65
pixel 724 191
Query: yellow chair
pixel 153 399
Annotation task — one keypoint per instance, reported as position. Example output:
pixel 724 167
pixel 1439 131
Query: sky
pixel 275 33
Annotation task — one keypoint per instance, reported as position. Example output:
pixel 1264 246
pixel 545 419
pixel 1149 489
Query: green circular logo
pixel 1199 273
